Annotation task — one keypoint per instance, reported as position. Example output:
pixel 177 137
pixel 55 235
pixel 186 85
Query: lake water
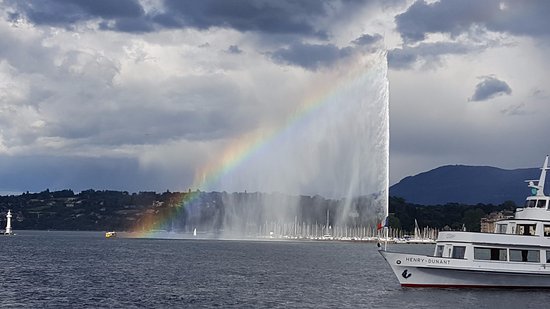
pixel 83 270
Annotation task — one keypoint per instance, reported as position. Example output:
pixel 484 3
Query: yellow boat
pixel 110 234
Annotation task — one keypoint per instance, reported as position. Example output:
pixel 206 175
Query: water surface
pixel 83 269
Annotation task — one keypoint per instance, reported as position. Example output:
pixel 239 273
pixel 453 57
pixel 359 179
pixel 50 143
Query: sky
pixel 141 95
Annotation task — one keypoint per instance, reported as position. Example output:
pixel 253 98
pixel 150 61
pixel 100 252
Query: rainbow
pixel 252 144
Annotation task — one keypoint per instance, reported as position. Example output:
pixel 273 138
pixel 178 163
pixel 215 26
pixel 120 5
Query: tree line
pixel 121 210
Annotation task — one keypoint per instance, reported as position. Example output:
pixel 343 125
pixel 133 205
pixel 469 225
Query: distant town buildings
pixel 488 222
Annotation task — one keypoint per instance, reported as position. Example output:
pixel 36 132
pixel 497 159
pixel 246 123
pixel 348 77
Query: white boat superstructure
pixel 517 254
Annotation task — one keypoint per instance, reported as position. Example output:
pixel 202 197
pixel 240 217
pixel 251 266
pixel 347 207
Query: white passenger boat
pixel 516 255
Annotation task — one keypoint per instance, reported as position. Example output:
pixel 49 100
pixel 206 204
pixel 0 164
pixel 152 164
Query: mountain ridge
pixel 466 184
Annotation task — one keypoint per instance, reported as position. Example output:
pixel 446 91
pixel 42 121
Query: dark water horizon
pixel 52 269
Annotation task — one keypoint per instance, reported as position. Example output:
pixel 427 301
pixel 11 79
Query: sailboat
pixel 327 235
pixel 419 236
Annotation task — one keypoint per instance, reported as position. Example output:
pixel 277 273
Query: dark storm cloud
pixel 310 56
pixel 528 18
pixel 367 39
pixel 296 18
pixel 454 17
pixel 283 21
pixel 66 13
pixel 37 173
pixel 407 56
pixel 316 56
pixel 490 87
pixel 137 25
pixel 234 49
pixel 268 16
pixel 450 16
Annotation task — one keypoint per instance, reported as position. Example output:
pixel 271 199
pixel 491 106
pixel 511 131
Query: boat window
pixel 493 254
pixel 541 203
pixel 458 252
pixel 530 203
pixel 524 255
pixel 501 228
pixel 439 251
pixel 526 229
pixel 547 230
pixel 547 256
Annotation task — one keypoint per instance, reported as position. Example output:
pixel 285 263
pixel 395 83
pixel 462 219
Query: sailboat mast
pixel 538 189
pixel 328 216
pixel 542 178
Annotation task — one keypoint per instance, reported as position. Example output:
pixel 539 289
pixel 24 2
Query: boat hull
pixel 423 271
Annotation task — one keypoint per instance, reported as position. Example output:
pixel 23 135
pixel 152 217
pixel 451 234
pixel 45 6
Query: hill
pixel 466 184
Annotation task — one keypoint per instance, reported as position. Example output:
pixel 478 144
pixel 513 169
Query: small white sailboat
pixel 419 237
pixel 327 235
pixel 195 232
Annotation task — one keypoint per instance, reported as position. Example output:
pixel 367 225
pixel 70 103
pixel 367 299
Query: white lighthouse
pixel 8 224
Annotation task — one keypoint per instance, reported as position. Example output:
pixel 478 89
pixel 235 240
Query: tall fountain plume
pixel 323 169
pixel 337 148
